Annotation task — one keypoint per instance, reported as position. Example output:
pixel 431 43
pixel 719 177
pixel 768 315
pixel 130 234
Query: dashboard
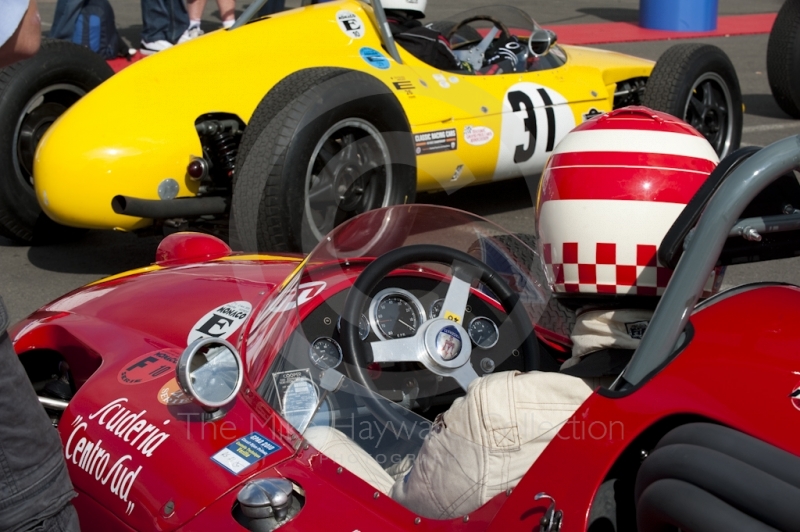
pixel 398 307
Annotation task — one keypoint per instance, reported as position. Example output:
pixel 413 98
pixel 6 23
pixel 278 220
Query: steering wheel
pixel 441 344
pixel 474 55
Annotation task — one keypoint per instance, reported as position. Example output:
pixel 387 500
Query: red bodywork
pixel 159 476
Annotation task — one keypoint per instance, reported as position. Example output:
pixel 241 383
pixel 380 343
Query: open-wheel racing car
pixel 288 136
pixel 217 391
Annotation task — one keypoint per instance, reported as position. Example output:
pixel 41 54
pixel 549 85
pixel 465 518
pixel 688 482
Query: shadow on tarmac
pixel 763 105
pixel 98 252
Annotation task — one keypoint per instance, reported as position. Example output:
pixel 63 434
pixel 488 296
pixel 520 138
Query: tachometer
pixel 483 332
pixel 396 313
pixel 325 353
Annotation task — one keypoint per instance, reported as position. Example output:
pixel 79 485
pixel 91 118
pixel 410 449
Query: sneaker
pixel 192 33
pixel 149 48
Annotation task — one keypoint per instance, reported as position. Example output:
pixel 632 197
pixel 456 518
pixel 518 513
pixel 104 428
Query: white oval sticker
pixel 477 135
pixel 350 23
pixel 221 322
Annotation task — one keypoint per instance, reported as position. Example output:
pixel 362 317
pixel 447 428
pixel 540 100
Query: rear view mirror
pixel 210 372
pixel 541 41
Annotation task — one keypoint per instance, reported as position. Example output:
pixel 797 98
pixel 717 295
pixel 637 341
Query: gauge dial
pixel 483 332
pixel 363 326
pixel 325 353
pixel 396 313
pixel 436 308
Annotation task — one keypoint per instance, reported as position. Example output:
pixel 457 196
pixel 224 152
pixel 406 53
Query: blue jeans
pixel 35 489
pixel 163 20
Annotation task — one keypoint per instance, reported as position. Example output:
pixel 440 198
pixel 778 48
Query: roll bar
pixel 719 220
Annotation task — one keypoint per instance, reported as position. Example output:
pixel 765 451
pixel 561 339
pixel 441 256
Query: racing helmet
pixel 609 193
pixel 416 7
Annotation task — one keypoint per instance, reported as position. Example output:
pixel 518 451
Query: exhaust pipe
pixel 174 208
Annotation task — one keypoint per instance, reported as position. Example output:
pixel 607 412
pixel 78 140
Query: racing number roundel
pixel 535 119
pixel 221 322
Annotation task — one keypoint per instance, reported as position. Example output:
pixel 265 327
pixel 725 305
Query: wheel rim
pixel 350 172
pixel 709 109
pixel 38 115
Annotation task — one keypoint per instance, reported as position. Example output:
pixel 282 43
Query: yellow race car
pixel 286 125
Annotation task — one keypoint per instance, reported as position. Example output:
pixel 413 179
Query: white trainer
pixel 191 33
pixel 149 48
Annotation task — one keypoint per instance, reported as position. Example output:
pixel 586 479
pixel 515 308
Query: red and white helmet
pixel 608 195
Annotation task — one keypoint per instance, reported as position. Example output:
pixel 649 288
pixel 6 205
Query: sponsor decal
pixel 374 58
pixel 453 80
pixel 448 343
pixel 591 113
pixel 436 141
pixel 477 135
pixel 245 452
pixel 795 396
pixel 221 322
pixel 403 85
pixel 149 367
pixel 636 329
pixel 457 173
pixel 171 394
pixel 350 24
pixel 442 81
pixel 118 473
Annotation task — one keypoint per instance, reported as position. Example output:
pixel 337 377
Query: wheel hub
pixel 33 128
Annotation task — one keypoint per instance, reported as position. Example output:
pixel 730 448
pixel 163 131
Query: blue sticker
pixel 245 452
pixel 374 58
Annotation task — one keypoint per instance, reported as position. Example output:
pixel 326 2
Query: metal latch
pixel 551 520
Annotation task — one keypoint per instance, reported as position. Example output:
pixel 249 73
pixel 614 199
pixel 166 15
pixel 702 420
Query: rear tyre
pixel 697 82
pixel 341 146
pixel 783 58
pixel 33 94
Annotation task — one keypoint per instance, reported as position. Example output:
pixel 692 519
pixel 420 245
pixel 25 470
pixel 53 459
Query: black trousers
pixel 35 489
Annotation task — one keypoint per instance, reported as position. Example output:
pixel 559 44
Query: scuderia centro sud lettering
pixel 118 473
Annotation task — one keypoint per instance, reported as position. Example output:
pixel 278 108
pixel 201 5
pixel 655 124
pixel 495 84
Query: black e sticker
pixel 436 141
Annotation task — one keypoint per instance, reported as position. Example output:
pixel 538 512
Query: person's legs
pixel 35 489
pixel 227 12
pixel 163 20
pixel 195 9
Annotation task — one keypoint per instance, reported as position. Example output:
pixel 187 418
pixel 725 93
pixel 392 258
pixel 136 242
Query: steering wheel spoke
pixel 464 375
pixel 398 350
pixel 455 301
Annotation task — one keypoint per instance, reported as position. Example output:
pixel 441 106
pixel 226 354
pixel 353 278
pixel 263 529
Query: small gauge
pixel 483 332
pixel 363 326
pixel 325 353
pixel 395 313
pixel 436 308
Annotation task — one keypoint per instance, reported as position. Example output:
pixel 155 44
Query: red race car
pixel 320 393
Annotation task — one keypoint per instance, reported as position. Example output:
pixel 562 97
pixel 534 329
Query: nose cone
pixel 109 144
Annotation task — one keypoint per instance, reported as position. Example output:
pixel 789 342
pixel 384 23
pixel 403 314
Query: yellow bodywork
pixel 137 129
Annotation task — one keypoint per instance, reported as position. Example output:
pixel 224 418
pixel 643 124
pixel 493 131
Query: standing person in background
pixel 227 12
pixel 35 490
pixel 163 23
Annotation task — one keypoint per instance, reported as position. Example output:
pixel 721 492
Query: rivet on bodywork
pixel 339 471
pixel 466 518
pixel 417 521
pixel 376 495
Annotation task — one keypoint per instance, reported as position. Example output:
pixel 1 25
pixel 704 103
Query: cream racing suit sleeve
pixel 488 439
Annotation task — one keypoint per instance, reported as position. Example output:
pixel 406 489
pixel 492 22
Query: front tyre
pixel 33 94
pixel 697 82
pixel 340 147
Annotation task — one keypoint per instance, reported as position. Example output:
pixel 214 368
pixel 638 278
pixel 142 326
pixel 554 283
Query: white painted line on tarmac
pixel 770 127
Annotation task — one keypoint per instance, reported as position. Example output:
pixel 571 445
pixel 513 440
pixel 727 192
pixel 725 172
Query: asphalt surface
pixel 32 276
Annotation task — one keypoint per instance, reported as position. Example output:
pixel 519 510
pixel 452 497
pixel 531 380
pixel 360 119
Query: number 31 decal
pixel 518 99
pixel 535 118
